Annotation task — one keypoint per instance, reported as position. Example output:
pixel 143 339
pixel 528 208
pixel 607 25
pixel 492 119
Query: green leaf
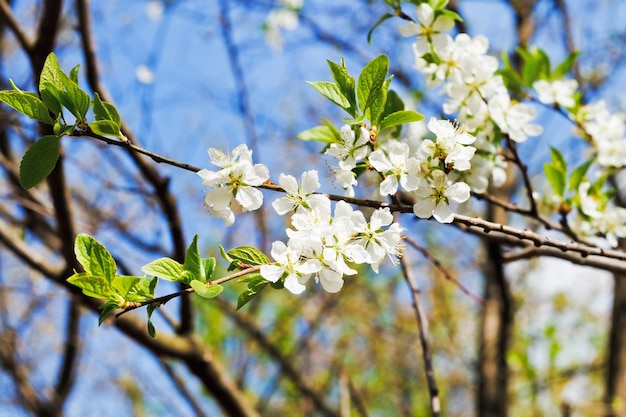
pixel 208 264
pixel 74 98
pixel 204 291
pixel 106 310
pixel 94 257
pixel 345 82
pixel 50 84
pixel 378 23
pixel 557 160
pixel 39 161
pixel 248 255
pixel 151 330
pixel 371 81
pixel 123 284
pixel 332 92
pixel 27 104
pixel 55 87
pixel 74 74
pixel 93 286
pixel 394 103
pixel 143 290
pixel 566 66
pixel 536 65
pixel 252 291
pixel 399 118
pixel 105 128
pixel 105 111
pixel 358 121
pixel 556 178
pixel 578 175
pixel 320 134
pixel 377 104
pixel 164 268
pixel 192 262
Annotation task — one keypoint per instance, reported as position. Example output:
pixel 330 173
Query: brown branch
pixel 422 325
pixel 181 387
pixel 67 371
pixel 7 17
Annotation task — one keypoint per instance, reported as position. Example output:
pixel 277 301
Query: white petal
pixel 288 183
pixel 443 214
pixel 250 198
pixel 293 285
pixel 272 273
pixel 331 281
pixel 424 209
pixel 310 182
pixel 458 192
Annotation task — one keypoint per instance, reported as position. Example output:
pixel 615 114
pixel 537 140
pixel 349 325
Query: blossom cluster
pixel 431 173
pixel 284 18
pixel 323 244
pixel 236 181
pixel 475 93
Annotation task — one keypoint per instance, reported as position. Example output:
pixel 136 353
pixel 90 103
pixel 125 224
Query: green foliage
pixel 39 161
pixel 255 285
pixel 26 103
pixel 57 91
pixel 100 279
pixel 369 98
pixel 204 290
pixel 245 257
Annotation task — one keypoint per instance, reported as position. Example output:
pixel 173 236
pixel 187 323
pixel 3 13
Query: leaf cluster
pixel 58 92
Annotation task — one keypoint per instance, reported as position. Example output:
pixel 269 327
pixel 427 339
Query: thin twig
pixel 422 325
pixel 159 301
pixel 437 264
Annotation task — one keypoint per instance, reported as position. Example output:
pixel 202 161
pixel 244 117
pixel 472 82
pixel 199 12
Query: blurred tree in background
pixel 509 332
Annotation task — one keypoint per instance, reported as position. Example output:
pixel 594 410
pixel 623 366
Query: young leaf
pixel 320 134
pixel 28 104
pixel 248 255
pixel 371 81
pixel 345 82
pixel 556 178
pixel 557 160
pixel 74 98
pixel 164 268
pixel 143 290
pixel 578 175
pixel 106 310
pixel 74 74
pixel 208 265
pixel 151 330
pixel 123 284
pixel 94 257
pixel 245 297
pixel 332 92
pixel 50 84
pixel 93 286
pixel 566 66
pixel 399 118
pixel 105 128
pixel 204 291
pixel 105 111
pixel 39 161
pixel 192 261
pixel 377 103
